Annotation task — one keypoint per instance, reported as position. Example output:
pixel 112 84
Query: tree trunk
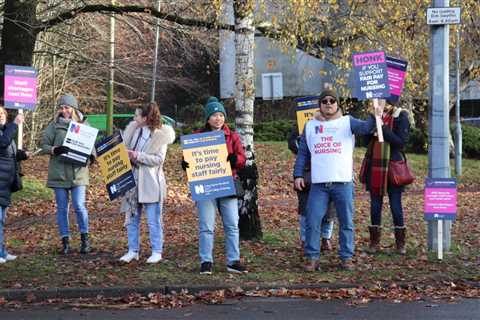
pixel 18 35
pixel 250 227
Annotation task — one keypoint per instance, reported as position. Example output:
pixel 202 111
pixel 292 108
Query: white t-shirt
pixel 331 146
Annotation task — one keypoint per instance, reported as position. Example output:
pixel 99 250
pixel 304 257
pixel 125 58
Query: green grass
pixel 33 189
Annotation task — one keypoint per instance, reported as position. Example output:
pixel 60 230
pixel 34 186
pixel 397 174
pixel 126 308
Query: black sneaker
pixel 236 267
pixel 206 268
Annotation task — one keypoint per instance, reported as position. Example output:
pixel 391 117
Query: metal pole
pixel 458 125
pixel 112 74
pixel 155 61
pixel 438 153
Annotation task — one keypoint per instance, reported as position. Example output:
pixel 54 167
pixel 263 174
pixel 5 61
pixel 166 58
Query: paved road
pixel 271 308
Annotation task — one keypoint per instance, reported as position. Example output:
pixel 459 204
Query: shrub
pixel 470 141
pixel 272 130
pixel 417 141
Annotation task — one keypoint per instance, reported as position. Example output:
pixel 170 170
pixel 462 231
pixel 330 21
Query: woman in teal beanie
pixel 214 116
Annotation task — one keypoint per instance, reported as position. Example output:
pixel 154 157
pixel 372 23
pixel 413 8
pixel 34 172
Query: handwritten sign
pixel 20 90
pixel 370 73
pixel 115 166
pixel 209 175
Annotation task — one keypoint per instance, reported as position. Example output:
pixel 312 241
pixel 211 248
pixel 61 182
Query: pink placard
pixel 440 200
pixel 21 89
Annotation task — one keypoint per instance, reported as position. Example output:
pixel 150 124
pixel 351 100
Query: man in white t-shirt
pixel 327 143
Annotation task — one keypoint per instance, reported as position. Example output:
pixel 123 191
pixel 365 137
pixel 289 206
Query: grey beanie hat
pixel 68 100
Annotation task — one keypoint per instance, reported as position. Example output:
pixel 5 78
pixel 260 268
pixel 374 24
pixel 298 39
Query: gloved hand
pixel 60 150
pixel 233 159
pixel 22 155
pixel 185 165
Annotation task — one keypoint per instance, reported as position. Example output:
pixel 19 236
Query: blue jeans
pixel 376 203
pixel 207 210
pixel 342 196
pixel 78 201
pixel 326 227
pixel 155 228
pixel 3 215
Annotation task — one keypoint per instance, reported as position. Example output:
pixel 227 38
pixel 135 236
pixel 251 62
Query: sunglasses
pixel 330 101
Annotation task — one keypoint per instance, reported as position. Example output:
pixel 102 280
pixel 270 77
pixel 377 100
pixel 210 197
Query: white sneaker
pixel 2 260
pixel 10 257
pixel 129 256
pixel 155 257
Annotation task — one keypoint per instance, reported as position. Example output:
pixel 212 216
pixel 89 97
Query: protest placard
pixel 80 139
pixel 20 89
pixel 115 165
pixel 397 70
pixel 440 199
pixel 306 108
pixel 209 175
pixel 370 74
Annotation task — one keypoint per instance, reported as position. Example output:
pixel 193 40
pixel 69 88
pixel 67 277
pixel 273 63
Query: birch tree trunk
pixel 249 224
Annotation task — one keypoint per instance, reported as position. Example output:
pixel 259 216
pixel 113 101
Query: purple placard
pixel 397 70
pixel 440 199
pixel 370 74
pixel 20 87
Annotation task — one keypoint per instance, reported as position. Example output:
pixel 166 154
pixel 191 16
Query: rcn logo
pixel 318 129
pixel 75 128
pixel 199 189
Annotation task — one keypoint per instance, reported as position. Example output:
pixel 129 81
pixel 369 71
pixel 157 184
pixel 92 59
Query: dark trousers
pixel 376 202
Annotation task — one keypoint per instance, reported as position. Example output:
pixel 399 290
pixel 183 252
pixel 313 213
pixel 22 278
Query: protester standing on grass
pixel 302 196
pixel 146 140
pixel 327 143
pixel 9 166
pixel 215 115
pixel 65 178
pixel 396 128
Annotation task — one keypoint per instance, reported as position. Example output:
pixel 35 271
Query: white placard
pixel 80 139
pixel 440 16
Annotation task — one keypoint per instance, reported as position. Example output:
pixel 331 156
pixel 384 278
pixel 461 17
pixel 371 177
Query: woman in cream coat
pixel 146 140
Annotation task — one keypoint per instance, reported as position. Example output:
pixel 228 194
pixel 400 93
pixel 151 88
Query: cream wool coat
pixel 151 179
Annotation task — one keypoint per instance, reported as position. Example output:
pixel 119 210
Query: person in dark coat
pixel 9 155
pixel 302 196
pixel 396 128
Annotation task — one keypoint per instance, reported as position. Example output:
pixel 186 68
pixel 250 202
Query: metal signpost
pixel 439 17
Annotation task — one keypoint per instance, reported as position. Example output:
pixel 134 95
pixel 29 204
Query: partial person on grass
pixel 9 168
pixel 396 128
pixel 66 178
pixel 302 196
pixel 146 140
pixel 215 115
pixel 327 143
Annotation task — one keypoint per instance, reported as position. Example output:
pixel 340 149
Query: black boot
pixel 65 246
pixel 85 245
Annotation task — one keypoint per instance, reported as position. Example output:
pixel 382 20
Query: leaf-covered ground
pixel 32 234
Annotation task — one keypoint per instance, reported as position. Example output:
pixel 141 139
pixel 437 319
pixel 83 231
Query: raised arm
pixel 362 127
pixel 398 136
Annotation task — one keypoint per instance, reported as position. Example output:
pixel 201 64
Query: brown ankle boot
pixel 400 239
pixel 375 234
